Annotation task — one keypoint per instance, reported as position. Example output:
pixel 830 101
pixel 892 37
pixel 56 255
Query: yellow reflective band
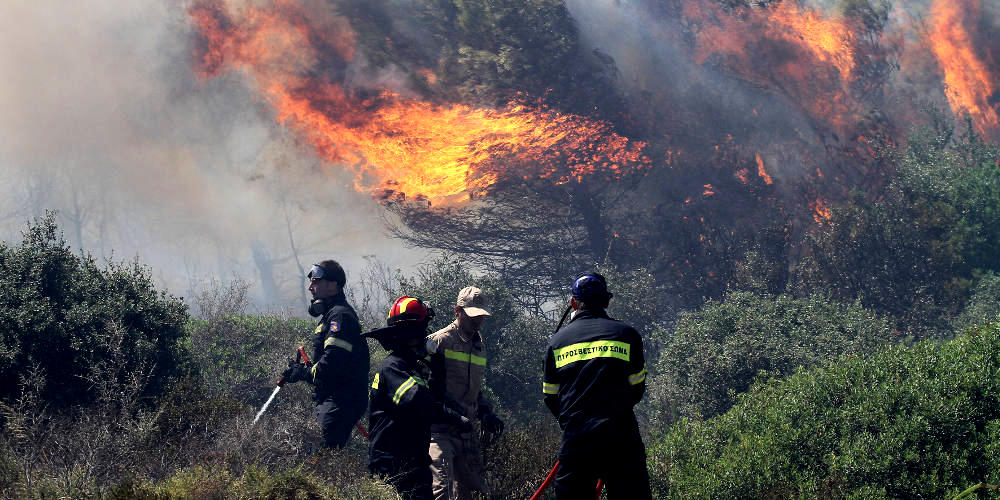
pixel 466 357
pixel 590 350
pixel 341 343
pixel 319 328
pixel 405 386
pixel 638 378
pixel 402 306
pixel 313 371
pixel 548 388
pixel 375 382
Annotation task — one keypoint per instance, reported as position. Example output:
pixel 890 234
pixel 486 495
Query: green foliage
pixel 984 305
pixel 240 353
pixel 914 253
pixel 65 314
pixel 920 422
pixel 716 353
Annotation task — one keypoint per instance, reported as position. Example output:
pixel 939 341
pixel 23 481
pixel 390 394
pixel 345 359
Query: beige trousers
pixel 456 465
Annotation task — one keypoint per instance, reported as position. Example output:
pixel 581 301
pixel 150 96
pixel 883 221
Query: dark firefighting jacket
pixel 340 356
pixel 401 411
pixel 595 373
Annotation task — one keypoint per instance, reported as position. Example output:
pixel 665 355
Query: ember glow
pixel 399 146
pixel 969 84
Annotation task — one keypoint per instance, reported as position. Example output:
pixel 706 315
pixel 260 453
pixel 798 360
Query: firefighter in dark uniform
pixel 594 374
pixel 402 406
pixel 340 362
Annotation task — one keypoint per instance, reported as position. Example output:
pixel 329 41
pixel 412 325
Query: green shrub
pixel 918 422
pixel 984 305
pixel 914 252
pixel 65 314
pixel 717 352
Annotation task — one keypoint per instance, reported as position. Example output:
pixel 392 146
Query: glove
pixel 464 424
pixel 492 424
pixel 294 373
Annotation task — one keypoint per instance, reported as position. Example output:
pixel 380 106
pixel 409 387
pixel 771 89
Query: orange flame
pixel 821 213
pixel 743 175
pixel 762 172
pixel 817 42
pixel 443 153
pixel 968 83
pixel 709 190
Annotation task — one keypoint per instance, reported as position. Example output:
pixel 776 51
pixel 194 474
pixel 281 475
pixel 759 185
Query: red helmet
pixel 409 309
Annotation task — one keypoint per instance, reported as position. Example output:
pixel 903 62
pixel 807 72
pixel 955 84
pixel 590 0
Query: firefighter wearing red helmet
pixel 402 407
pixel 594 374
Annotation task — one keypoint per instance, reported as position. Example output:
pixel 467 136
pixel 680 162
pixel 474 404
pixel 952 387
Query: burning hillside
pixel 674 132
pixel 444 153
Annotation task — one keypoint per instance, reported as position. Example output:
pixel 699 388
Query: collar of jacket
pixel 589 313
pixel 464 335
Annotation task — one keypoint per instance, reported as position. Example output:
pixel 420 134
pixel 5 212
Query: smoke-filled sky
pixel 104 120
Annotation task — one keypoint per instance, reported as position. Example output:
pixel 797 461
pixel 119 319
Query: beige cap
pixel 472 301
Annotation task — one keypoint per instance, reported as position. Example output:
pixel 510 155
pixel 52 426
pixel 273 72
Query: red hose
pixel 552 476
pixel 548 480
pixel 361 429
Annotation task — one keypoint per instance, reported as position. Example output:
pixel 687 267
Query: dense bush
pixel 717 352
pixel 62 313
pixel 920 422
pixel 237 353
pixel 983 306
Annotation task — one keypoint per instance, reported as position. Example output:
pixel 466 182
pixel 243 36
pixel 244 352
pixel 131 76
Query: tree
pixel 914 252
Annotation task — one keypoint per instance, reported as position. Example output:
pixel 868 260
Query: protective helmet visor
pixel 316 273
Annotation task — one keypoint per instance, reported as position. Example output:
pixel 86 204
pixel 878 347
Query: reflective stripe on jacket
pixel 340 356
pixel 595 372
pixel 458 365
pixel 401 411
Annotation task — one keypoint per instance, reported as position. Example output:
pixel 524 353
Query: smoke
pixel 105 121
pixel 699 105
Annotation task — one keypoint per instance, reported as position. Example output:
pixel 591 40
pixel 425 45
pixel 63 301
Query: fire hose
pixel 300 355
pixel 552 477
pixel 552 473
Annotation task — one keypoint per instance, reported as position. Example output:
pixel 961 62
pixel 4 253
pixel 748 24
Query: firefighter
pixel 341 362
pixel 594 374
pixel 402 407
pixel 458 363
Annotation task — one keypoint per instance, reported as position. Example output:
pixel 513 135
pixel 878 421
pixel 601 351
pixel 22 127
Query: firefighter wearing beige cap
pixel 458 364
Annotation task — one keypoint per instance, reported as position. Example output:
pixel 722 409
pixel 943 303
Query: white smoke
pixel 104 121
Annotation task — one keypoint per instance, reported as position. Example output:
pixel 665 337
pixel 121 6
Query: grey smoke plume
pixel 104 121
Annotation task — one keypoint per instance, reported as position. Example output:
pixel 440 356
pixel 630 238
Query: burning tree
pixel 490 130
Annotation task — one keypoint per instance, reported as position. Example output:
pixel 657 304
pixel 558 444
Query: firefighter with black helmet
pixel 402 407
pixel 594 374
pixel 341 362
